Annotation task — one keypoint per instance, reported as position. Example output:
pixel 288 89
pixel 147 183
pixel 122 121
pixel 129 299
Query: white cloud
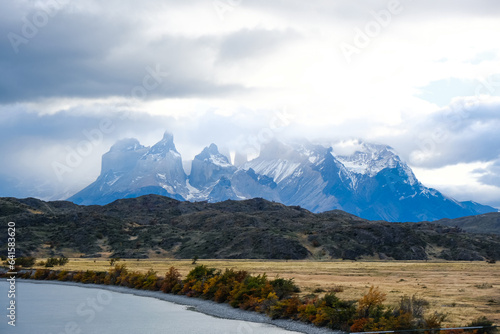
pixel 462 182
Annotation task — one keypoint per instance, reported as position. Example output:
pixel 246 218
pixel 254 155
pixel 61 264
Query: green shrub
pixel 284 288
pixel 28 261
pixel 483 321
pixel 52 261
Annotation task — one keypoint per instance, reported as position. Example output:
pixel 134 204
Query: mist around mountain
pixel 372 182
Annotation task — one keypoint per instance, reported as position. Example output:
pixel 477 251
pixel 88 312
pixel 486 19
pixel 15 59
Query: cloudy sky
pixel 78 75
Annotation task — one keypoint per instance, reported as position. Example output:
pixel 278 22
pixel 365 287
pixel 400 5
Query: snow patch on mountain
pixel 278 169
pixel 369 159
pixel 219 161
pixel 365 179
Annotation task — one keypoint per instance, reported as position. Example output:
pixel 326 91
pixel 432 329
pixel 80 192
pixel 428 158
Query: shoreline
pixel 208 307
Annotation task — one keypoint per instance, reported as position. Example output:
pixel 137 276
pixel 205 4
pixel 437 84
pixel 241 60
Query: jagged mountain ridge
pixel 373 182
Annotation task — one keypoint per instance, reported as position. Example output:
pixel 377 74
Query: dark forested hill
pixel 485 223
pixel 153 225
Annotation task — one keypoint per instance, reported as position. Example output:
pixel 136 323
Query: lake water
pixel 59 309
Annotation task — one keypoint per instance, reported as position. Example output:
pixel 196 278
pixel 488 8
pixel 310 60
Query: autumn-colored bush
pixel 41 274
pixel 172 281
pixel 51 276
pixel 219 286
pixel 64 275
pixel 27 275
pixel 114 275
pixel 252 286
pixel 193 285
pixel 307 311
pixel 371 302
pixel 88 276
pixel 359 324
pixel 267 303
pixel 333 312
pixel 285 309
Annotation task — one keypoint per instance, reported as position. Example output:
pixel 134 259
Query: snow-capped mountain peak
pixel 209 166
pixel 211 154
pixel 370 159
pixel 164 146
pixel 368 180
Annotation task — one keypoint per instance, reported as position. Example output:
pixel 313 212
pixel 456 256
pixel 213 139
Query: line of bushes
pixel 275 297
pixel 29 261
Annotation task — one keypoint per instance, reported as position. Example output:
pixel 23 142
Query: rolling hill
pixel 158 226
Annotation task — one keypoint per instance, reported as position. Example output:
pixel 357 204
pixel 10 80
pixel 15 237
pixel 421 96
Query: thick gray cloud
pixel 100 54
pixel 466 131
pixel 98 49
pixel 491 174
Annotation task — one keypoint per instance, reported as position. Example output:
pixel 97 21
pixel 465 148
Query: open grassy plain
pixel 463 290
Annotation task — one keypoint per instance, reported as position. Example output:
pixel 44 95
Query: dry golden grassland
pixel 463 290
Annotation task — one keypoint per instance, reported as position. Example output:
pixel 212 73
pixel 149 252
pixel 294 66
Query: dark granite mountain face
pixel 131 170
pixel 153 225
pixel 208 167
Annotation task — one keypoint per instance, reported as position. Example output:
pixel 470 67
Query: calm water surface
pixel 59 309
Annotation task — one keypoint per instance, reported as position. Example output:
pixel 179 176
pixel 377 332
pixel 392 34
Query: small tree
pixel 370 301
pixel 51 261
pixel 63 260
pixel 195 259
pixel 113 260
